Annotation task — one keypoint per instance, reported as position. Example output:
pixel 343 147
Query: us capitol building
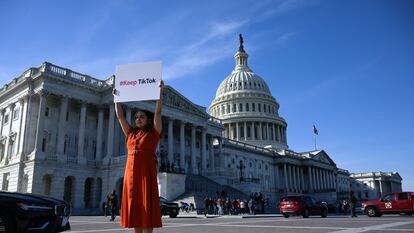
pixel 59 137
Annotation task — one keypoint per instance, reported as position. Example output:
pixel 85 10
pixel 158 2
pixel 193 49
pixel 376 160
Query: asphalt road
pixel 262 224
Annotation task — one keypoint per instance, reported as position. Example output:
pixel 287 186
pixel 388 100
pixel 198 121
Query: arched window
pixel 240 107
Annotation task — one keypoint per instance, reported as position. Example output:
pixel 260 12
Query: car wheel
pixel 286 215
pixel 371 212
pixel 6 223
pixel 306 213
pixel 173 215
pixel 324 213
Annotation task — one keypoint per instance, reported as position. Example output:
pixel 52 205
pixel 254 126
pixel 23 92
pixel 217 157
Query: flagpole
pixel 315 140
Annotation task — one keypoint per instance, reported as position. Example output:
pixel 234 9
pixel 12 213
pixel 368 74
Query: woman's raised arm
pixel 121 118
pixel 157 115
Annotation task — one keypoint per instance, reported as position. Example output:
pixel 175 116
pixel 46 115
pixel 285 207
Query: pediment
pixel 322 156
pixel 174 99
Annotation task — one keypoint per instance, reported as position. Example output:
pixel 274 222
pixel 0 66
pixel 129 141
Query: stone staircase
pixel 197 187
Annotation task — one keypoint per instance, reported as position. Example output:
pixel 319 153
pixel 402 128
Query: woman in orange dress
pixel 140 207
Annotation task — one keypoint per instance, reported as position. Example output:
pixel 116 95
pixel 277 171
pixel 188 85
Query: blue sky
pixel 345 66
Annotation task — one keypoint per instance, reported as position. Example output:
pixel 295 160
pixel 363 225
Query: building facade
pixel 59 137
pixel 371 185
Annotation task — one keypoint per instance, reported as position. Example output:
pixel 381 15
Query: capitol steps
pixel 197 187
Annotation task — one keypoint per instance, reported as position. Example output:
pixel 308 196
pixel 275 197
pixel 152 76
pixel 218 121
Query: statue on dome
pixel 241 49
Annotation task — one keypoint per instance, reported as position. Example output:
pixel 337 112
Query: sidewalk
pixel 195 215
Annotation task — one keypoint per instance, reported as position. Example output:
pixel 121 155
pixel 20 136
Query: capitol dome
pixel 247 108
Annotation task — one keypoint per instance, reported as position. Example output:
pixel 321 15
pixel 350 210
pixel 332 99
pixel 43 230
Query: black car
pixel 32 213
pixel 168 208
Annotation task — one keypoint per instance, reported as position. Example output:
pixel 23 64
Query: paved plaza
pixel 262 224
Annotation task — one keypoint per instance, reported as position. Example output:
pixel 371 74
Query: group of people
pixel 348 205
pixel 223 205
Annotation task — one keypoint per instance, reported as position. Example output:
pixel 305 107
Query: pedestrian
pixel 113 204
pixel 354 202
pixel 140 198
pixel 206 205
pixel 243 206
pixel 250 205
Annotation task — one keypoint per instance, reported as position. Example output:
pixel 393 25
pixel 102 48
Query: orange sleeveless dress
pixel 140 205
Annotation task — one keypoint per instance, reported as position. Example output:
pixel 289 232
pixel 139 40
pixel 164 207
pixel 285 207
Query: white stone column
pixel 7 149
pixel 279 134
pixel 62 128
pixel 316 179
pixel 291 186
pixel 274 132
pixel 294 173
pixel 81 134
pixel 194 168
pixel 237 131
pixel 380 185
pixel 211 153
pixel 310 179
pixel 260 132
pixel 2 111
pixel 182 146
pixel 170 142
pixel 40 121
pixel 111 129
pixel 221 156
pixel 24 102
pixel 268 131
pixel 245 131
pixel 252 131
pixel 203 150
pixel 320 178
pixel 277 178
pixel 286 178
pixel 99 152
pixel 302 180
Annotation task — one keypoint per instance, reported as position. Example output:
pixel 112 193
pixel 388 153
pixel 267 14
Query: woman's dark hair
pixel 150 117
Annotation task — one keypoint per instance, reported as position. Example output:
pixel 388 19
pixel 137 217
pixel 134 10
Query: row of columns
pixel 62 128
pixel 318 179
pixel 13 138
pixel 265 131
pixel 193 165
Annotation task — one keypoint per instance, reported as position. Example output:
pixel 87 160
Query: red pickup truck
pixel 390 203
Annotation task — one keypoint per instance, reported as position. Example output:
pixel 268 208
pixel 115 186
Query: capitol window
pixel 234 107
pixel 228 108
pixel 259 107
pixel 6 119
pixel 264 107
pixel 253 107
pixel 16 114
pixel 47 111
pixel 247 107
pixel 240 107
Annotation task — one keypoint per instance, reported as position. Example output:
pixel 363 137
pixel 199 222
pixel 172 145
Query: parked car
pixel 169 208
pixel 390 203
pixel 302 205
pixel 32 213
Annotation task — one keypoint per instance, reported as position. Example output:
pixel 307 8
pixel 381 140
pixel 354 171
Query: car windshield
pixel 163 199
pixel 291 199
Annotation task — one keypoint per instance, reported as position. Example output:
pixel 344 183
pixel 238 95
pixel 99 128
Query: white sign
pixel 136 82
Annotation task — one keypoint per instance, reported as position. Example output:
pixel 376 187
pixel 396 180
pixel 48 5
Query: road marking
pixel 375 227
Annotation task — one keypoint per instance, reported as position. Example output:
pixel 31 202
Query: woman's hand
pixel 115 92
